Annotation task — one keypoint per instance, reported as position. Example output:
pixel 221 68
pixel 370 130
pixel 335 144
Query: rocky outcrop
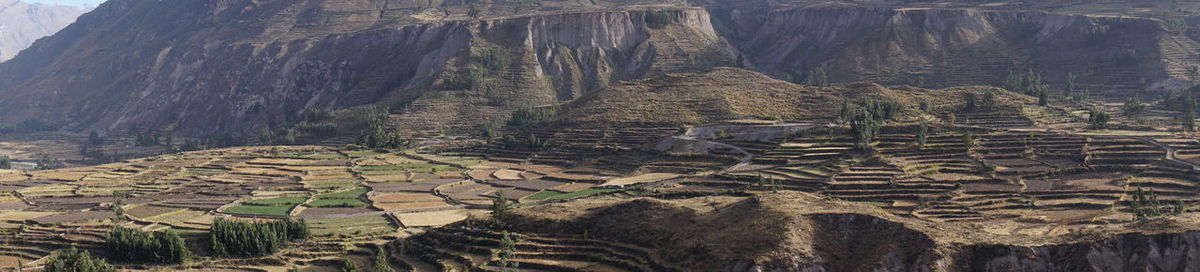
pixel 239 65
pixel 22 23
pixel 945 47
pixel 1127 252
pixel 202 67
pixel 801 232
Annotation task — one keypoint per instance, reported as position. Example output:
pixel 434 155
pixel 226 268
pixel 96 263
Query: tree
pixel 921 134
pixel 502 210
pixel 817 77
pixel 1189 113
pixel 45 162
pixel 5 162
pixel 968 102
pixel 508 248
pixel 382 261
pixel 1133 106
pixel 1043 97
pixel 989 100
pixel 94 139
pixel 864 128
pixel 969 141
pixel 1145 205
pixel 1069 90
pixel 474 11
pixel 165 247
pixel 75 260
pixel 349 266
pixel 1098 119
pixel 237 238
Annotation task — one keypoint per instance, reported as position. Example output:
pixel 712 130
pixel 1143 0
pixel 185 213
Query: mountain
pixel 204 67
pixel 22 23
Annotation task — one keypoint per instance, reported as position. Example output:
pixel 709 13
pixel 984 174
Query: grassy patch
pixel 408 167
pixel 352 194
pixel 552 195
pixel 338 203
pixel 351 226
pixel 362 154
pixel 259 210
pixel 279 201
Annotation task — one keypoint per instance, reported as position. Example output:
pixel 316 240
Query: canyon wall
pixel 203 67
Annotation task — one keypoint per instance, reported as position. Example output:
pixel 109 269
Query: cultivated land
pixel 647 145
pixel 603 198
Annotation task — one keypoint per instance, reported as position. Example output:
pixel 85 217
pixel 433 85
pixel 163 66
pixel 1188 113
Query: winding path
pixel 1170 153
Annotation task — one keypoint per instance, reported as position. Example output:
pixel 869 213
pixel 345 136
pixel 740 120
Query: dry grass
pixel 431 219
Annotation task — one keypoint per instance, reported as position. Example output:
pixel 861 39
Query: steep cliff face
pixel 241 65
pixel 945 47
pixel 22 23
pixel 801 232
pixel 238 65
pixel 1127 252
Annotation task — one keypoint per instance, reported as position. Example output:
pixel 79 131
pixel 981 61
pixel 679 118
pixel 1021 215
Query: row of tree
pixel 139 246
pixel 239 238
pixel 865 118
pixel 75 260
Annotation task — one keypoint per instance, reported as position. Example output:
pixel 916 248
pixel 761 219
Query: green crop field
pixel 330 203
pixel 552 195
pixel 259 210
pixel 279 201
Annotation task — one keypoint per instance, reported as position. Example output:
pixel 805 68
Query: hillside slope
pixel 801 232
pixel 22 23
pixel 731 93
pixel 211 66
pixel 203 67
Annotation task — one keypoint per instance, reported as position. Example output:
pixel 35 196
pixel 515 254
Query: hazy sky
pixel 67 2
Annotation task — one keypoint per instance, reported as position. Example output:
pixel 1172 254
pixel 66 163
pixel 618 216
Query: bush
pixel 233 238
pixel 75 260
pixel 494 59
pixel 532 115
pixel 1098 119
pixel 660 18
pixel 1133 107
pixel 320 129
pixel 5 162
pixel 164 247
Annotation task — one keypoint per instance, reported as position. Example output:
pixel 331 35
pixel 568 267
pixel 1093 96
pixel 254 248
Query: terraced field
pixel 427 208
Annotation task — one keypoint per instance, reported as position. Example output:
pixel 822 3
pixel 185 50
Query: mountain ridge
pixel 22 23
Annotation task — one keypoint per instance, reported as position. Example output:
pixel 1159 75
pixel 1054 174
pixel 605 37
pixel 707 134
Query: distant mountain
pixel 22 23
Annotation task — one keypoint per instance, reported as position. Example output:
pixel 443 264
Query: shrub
pixel 660 18
pixel 1146 205
pixel 382 261
pixel 969 102
pixel 349 266
pixel 502 210
pixel 1098 119
pixel 157 247
pixel 45 162
pixel 233 238
pixel 816 77
pixel 921 134
pixel 5 162
pixel 494 59
pixel 532 115
pixel 1175 25
pixel 1133 106
pixel 75 260
pixel 323 129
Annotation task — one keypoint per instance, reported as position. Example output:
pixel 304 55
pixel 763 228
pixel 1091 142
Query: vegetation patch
pixel 259 210
pixel 352 226
pixel 279 201
pixel 553 195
